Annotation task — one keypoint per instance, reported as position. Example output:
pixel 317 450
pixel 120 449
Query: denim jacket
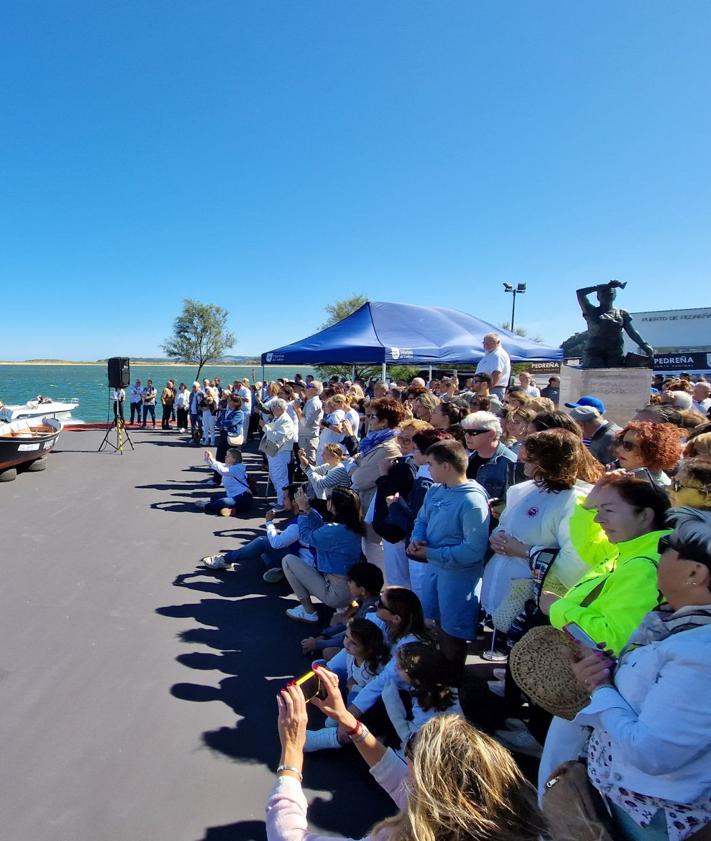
pixel 233 422
pixel 337 548
pixel 498 473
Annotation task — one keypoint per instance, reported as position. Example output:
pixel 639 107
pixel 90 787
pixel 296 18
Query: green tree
pixel 200 334
pixel 342 309
pixel 573 346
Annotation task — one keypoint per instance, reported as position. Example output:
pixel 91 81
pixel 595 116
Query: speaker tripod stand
pixel 119 424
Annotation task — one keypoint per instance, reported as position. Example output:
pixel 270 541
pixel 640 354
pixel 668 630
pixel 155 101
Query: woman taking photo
pixel 337 546
pixel 455 783
pixel 649 754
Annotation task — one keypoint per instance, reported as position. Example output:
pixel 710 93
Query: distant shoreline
pixel 157 364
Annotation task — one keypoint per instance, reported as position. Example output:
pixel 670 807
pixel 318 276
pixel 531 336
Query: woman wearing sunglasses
pixel 692 484
pixel 454 783
pixel 654 446
pixel 650 750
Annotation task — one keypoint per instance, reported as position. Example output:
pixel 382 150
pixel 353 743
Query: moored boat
pixel 24 441
pixel 40 407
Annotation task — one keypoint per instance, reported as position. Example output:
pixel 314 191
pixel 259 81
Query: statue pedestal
pixel 622 390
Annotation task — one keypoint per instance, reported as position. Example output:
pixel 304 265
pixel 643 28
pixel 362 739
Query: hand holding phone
pixel 576 633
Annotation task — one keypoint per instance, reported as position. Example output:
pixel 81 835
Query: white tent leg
pixel 384 371
pixel 352 373
pixel 430 376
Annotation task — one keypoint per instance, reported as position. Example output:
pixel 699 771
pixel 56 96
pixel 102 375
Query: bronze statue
pixel 605 345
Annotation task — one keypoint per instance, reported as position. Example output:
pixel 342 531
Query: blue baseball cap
pixel 588 400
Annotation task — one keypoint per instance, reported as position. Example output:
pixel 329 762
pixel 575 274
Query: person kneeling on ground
pixel 237 497
pixel 365 581
pixel 337 546
pixel 454 783
pixel 271 547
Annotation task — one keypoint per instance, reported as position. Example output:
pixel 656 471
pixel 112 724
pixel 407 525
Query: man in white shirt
pixel 702 397
pixel 118 397
pixel 245 393
pixel 526 382
pixel 136 401
pixel 495 363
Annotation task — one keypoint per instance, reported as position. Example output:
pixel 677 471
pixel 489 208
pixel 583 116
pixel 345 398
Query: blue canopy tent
pixel 381 333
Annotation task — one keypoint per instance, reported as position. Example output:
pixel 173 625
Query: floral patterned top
pixel 682 820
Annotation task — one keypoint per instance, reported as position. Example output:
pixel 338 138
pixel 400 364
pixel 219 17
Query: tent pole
pixel 430 376
pixel 352 373
pixel 384 370
pixel 262 377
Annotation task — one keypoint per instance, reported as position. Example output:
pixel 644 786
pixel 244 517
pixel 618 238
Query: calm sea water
pixel 20 383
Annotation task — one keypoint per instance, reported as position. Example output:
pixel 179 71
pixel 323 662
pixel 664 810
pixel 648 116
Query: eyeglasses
pixel 476 431
pixel 628 446
pixel 679 486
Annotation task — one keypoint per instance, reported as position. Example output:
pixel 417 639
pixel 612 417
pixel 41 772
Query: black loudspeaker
pixel 119 372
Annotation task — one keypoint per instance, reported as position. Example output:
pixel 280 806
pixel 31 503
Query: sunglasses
pixel 664 544
pixel 476 431
pixel 628 446
pixel 679 486
pixel 379 603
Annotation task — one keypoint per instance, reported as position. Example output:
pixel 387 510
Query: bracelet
pixel 293 770
pixel 356 730
pixel 362 736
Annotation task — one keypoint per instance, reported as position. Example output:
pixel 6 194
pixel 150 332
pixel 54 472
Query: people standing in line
pixel 167 399
pixel 149 395
pixel 194 406
pixel 182 405
pixel 310 416
pixel 136 401
pixel 495 363
pixel 118 398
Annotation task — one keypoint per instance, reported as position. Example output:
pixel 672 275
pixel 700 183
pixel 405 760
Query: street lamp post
pixel 514 290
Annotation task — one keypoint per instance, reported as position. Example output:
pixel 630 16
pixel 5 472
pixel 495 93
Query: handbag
pixel 269 448
pixel 573 807
pixel 235 440
pixel 505 614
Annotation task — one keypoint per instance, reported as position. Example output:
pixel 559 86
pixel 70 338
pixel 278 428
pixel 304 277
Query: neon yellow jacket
pixel 629 591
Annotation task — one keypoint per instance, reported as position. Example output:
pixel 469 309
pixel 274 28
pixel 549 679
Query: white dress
pixel 536 517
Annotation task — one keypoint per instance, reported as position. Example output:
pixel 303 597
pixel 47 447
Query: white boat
pixel 40 407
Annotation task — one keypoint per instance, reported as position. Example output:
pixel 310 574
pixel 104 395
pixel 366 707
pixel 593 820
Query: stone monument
pixel 621 382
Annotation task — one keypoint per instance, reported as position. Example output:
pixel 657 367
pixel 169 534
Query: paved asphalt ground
pixel 137 691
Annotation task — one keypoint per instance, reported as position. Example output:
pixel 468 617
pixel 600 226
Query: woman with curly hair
pixel 537 514
pixel 645 446
pixel 455 782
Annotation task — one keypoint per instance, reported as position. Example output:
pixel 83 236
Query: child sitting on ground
pixel 365 582
pixel 363 656
pixel 237 497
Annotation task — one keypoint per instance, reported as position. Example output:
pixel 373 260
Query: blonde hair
pixel 699 447
pixel 427 400
pixel 415 424
pixel 464 786
pixel 334 450
pixel 273 389
pixel 541 404
pixel 338 400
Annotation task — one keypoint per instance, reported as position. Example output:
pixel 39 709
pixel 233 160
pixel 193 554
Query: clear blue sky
pixel 272 157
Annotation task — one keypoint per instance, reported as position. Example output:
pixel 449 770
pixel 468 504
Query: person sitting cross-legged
pixel 337 546
pixel 237 496
pixel 271 547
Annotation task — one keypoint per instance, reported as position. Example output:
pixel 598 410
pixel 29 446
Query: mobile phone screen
pixel 575 632
pixel 310 684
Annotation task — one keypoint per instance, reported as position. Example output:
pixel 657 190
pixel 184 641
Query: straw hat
pixel 541 664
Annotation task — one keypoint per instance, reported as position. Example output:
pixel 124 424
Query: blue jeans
pixel 258 548
pixel 241 503
pixel 146 410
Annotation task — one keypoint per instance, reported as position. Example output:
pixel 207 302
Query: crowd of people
pixel 413 518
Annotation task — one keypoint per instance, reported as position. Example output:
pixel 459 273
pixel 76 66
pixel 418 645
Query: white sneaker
pixel 300 614
pixel 321 740
pixel 520 741
pixel 497 687
pixel 273 575
pixel 499 674
pixel 214 562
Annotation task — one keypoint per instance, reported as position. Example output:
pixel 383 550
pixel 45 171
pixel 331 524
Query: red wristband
pixel 355 731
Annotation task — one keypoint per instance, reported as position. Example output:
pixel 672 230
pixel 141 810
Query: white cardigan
pixel 282 432
pixel 658 717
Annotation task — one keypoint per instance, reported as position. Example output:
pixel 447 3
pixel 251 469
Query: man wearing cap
pixel 599 434
pixel 495 363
